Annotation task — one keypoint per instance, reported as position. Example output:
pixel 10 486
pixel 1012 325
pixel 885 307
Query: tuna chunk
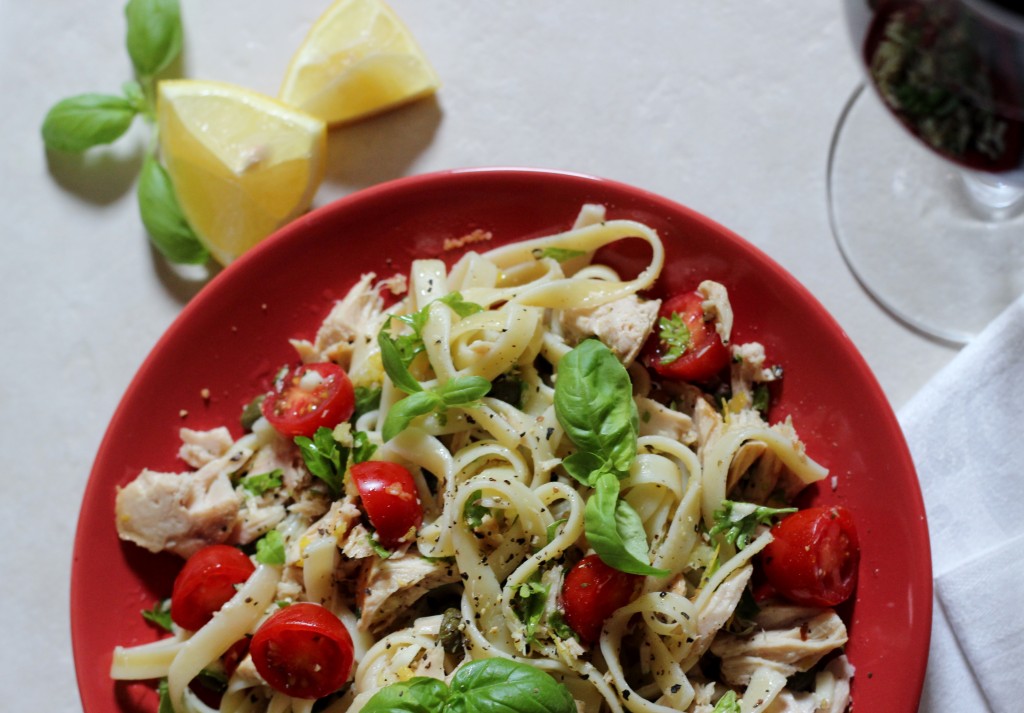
pixel 356 317
pixel 387 587
pixel 200 447
pixel 789 639
pixel 623 325
pixel 181 512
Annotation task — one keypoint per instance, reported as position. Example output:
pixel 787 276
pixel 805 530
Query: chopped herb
pixel 474 513
pixel 160 614
pixel 378 548
pixel 559 627
pixel 259 483
pixel 529 601
pixel 324 457
pixel 762 398
pixel 674 333
pixel 252 412
pixel 362 449
pixel 554 527
pixel 270 548
pixel 558 254
pixel 727 704
pixel 739 521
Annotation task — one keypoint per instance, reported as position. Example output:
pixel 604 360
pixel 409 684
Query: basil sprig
pixel 594 405
pixel 460 391
pixel 487 686
pixel 153 39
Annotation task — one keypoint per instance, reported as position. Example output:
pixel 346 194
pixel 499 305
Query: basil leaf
pixel 402 413
pixel 594 404
pixel 585 467
pixel 464 390
pixel 460 306
pixel 154 34
pixel 86 120
pixel 501 686
pixel 367 399
pixel 615 530
pixel 395 367
pixel 417 695
pixel 165 222
pixel 270 548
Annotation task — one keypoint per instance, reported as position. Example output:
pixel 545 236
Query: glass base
pixel 940 248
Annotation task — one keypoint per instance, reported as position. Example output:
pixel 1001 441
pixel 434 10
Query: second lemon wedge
pixel 242 164
pixel 358 59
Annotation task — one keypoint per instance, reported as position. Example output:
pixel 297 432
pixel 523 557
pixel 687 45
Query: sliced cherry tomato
pixel 206 583
pixel 813 558
pixel 591 593
pixel 308 397
pixel 303 651
pixel 701 354
pixel 234 655
pixel 390 499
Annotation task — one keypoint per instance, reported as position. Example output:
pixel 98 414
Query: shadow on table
pixel 100 176
pixel 383 147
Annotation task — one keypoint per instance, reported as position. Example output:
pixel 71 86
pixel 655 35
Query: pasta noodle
pixel 505 516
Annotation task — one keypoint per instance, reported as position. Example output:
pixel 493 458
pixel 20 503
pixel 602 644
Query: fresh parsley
pixel 494 685
pixel 153 39
pixel 739 521
pixel 528 602
pixel 674 333
pixel 325 458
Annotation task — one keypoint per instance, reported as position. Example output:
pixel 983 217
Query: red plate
pixel 234 334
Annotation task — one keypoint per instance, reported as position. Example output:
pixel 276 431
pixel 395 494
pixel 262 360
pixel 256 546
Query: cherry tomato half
pixel 206 583
pixel 704 355
pixel 308 397
pixel 591 593
pixel 390 499
pixel 303 651
pixel 813 558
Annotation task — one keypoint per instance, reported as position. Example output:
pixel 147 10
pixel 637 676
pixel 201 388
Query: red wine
pixel 952 72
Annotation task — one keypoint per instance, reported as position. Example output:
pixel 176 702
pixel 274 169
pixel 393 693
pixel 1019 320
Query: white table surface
pixel 727 107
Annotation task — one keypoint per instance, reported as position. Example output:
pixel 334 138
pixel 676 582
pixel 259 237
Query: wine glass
pixel 934 228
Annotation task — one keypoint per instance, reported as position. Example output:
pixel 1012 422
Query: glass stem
pixel 992 197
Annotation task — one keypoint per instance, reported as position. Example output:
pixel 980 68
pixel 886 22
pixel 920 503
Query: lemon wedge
pixel 358 59
pixel 242 164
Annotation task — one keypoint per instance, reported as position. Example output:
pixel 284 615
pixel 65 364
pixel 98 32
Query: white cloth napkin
pixel 965 430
